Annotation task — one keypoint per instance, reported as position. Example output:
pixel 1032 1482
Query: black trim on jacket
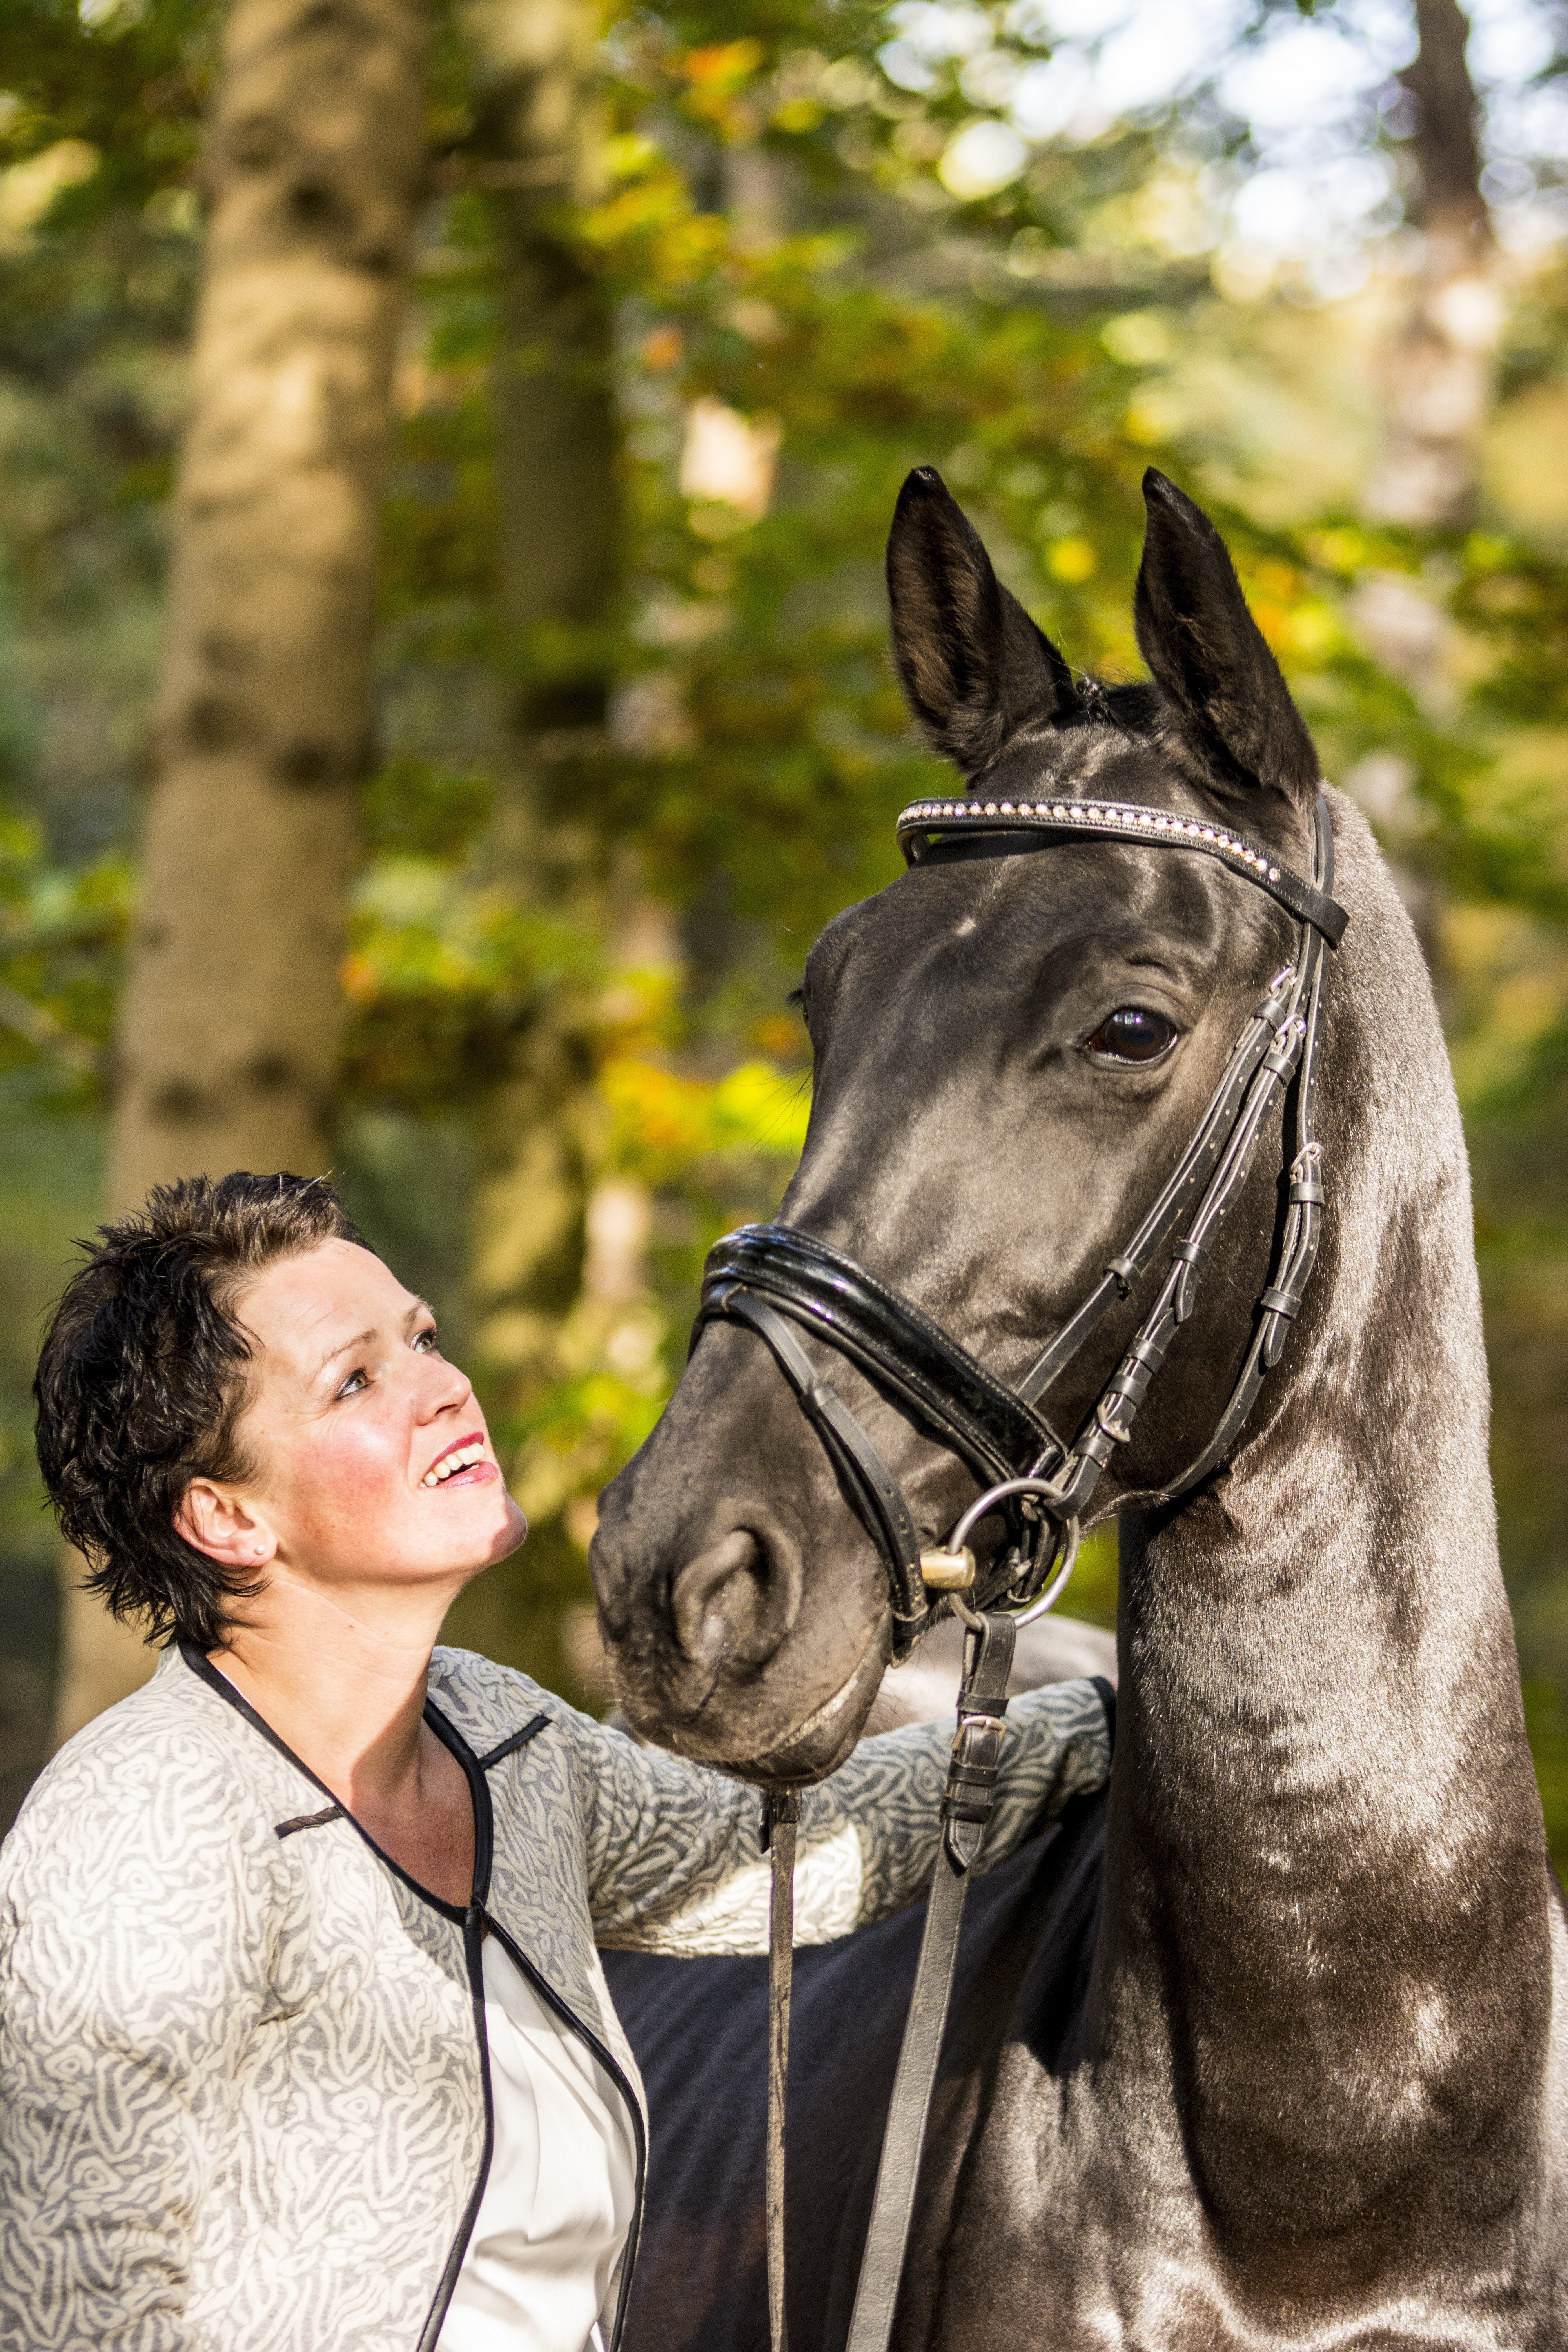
pixel 472 1919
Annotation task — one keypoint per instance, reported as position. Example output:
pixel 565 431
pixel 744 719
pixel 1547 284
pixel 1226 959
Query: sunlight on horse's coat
pixel 1268 2051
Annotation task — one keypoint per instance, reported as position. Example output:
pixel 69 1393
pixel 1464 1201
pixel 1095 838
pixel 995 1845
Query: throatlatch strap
pixel 965 1810
pixel 780 1815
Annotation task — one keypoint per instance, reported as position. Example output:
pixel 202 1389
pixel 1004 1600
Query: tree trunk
pixel 559 543
pixel 228 1028
pixel 1442 367
pixel 558 528
pixel 1440 374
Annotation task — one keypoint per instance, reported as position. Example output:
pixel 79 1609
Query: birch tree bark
pixel 228 1026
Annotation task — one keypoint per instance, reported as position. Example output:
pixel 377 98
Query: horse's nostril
pixel 736 1601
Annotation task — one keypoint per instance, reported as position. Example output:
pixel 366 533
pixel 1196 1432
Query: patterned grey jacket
pixel 244 2098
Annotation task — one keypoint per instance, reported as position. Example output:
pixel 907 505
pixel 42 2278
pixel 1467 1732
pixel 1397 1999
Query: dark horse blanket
pixel 700 2032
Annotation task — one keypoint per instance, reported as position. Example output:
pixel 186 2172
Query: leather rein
pixel 772 1277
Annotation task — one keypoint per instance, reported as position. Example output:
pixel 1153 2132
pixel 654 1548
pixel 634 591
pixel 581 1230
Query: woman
pixel 305 2043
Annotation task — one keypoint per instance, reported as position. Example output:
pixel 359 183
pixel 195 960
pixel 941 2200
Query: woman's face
pixel 353 1424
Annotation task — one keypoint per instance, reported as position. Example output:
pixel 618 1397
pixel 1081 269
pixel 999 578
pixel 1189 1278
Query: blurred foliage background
pixel 689 291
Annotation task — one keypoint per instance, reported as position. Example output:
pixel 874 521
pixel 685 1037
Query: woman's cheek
pixel 353 1478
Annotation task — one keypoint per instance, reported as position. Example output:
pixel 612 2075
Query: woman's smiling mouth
pixel 462 1464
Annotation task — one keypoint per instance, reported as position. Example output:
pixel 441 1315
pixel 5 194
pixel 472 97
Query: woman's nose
pixel 448 1388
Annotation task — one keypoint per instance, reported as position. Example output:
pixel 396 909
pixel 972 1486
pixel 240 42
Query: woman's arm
pixel 673 1856
pixel 133 1933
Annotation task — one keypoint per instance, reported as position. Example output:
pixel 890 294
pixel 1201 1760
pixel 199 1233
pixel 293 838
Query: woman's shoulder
pixel 144 1890
pixel 171 1771
pixel 492 1705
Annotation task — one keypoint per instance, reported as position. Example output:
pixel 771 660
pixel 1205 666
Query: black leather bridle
pixel 772 1276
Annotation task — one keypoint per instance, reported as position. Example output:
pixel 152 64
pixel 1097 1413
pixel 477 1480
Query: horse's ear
pixel 974 666
pixel 1220 683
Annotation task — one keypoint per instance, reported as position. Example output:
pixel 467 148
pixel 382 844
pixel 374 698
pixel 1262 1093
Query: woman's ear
pixel 214 1520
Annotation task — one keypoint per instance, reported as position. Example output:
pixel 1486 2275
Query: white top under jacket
pixel 242 2092
pixel 561 2186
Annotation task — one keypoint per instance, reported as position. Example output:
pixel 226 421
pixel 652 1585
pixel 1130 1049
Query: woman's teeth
pixel 462 1459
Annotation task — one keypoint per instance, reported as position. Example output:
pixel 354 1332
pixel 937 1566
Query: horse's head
pixel 1011 1055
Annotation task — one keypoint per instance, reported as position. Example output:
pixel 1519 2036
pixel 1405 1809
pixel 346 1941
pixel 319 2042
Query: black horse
pixel 1268 2049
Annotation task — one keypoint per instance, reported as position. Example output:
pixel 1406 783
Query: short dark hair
pixel 142 1382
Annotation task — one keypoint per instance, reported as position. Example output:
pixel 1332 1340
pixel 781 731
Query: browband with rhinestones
pixel 926 823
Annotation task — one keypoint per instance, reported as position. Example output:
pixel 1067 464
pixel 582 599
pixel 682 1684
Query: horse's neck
pixel 1326 1871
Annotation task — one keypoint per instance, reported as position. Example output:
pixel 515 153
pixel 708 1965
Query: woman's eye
pixel 426 1342
pixel 355 1382
pixel 1132 1036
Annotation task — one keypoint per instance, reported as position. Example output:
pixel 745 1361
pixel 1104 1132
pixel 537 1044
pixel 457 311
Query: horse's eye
pixel 1132 1035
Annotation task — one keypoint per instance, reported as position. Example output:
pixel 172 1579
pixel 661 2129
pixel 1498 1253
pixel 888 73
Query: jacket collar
pixel 449 1735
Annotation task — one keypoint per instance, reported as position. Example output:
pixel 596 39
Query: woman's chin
pixel 512 1535
pixel 502 1530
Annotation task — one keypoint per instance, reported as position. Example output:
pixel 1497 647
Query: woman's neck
pixel 343 1686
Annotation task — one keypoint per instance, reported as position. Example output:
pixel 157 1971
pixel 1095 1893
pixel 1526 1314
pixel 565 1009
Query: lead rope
pixel 781 1816
pixel 966 1803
